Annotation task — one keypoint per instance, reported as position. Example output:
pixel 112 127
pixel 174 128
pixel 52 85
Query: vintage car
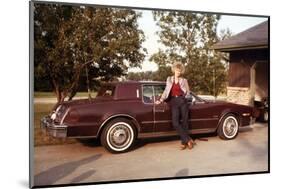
pixel 124 111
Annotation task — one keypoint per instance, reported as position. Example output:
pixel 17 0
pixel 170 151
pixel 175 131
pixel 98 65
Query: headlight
pixel 58 109
pixel 58 113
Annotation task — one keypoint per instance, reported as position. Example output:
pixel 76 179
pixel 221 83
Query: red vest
pixel 176 90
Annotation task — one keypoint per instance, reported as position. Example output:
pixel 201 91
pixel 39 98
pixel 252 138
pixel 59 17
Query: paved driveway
pixel 152 158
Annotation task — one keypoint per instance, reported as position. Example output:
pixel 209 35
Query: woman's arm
pixel 187 86
pixel 164 94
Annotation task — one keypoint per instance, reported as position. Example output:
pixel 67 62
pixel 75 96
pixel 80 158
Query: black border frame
pixel 31 94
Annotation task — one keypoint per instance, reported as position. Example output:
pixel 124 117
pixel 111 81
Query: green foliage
pixel 189 37
pixel 161 74
pixel 71 40
pixel 140 76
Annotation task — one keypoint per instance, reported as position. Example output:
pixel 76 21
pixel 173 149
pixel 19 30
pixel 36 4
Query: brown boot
pixel 190 144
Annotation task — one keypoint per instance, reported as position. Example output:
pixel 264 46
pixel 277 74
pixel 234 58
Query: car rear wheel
pixel 118 135
pixel 229 127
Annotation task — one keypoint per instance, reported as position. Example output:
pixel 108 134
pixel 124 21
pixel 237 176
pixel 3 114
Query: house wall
pixel 238 95
pixel 242 88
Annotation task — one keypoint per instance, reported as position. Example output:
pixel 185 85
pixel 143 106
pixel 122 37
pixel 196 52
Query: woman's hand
pixel 158 102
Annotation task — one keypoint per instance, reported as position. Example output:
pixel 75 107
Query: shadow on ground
pixel 52 175
pixel 142 142
pixel 90 142
pixel 182 173
pixel 93 142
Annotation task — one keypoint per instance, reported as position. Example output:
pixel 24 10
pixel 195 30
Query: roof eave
pixel 237 48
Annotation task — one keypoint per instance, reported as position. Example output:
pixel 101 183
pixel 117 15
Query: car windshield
pixel 106 91
pixel 196 98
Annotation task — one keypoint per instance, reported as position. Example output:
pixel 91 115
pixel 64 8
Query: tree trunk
pixel 74 87
pixel 57 91
pixel 72 93
pixel 60 95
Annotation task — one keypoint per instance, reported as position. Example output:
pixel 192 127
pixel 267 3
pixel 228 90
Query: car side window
pixel 106 90
pixel 147 94
pixel 158 91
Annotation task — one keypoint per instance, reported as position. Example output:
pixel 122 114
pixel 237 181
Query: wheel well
pixel 116 117
pixel 227 113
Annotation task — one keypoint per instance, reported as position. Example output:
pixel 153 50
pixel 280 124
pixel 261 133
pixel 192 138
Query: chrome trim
pixel 138 93
pixel 59 131
pixel 157 134
pixel 147 122
pixel 63 117
pixel 153 90
pixel 167 121
pixel 174 133
pixel 158 110
pixel 201 131
pixel 204 119
pixel 163 121
pixel 246 114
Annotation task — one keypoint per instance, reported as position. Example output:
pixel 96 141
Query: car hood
pixel 225 102
pixel 217 101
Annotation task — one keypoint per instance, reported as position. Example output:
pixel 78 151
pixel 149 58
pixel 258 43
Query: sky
pixel 236 24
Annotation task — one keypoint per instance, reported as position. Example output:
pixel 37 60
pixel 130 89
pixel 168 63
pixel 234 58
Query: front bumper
pixel 55 130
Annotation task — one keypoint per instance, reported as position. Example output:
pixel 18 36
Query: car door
pixel 162 112
pixel 201 115
pixel 145 112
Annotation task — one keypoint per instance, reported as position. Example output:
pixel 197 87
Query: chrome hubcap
pixel 119 136
pixel 230 127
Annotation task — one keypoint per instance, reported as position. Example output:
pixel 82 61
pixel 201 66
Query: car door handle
pixel 159 109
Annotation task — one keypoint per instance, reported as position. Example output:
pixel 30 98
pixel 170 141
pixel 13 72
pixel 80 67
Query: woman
pixel 178 89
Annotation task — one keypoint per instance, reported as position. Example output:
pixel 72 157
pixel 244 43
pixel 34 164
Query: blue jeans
pixel 180 109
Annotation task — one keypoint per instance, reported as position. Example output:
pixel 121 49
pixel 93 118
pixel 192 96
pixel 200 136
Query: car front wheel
pixel 118 135
pixel 228 127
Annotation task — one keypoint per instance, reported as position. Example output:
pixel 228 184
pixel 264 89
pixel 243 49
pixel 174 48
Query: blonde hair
pixel 178 65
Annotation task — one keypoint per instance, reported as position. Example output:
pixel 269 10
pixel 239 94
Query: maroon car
pixel 124 111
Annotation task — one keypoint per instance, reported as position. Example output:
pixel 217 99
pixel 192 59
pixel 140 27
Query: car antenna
pixel 88 84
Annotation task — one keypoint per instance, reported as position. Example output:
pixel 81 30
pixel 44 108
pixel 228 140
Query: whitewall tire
pixel 228 127
pixel 118 135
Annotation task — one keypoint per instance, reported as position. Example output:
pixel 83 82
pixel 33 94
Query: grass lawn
pixel 40 138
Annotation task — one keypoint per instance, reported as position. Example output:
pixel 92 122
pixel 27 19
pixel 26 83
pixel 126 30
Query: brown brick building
pixel 248 64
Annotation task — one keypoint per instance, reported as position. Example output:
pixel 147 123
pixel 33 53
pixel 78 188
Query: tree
pixel 188 37
pixel 72 41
